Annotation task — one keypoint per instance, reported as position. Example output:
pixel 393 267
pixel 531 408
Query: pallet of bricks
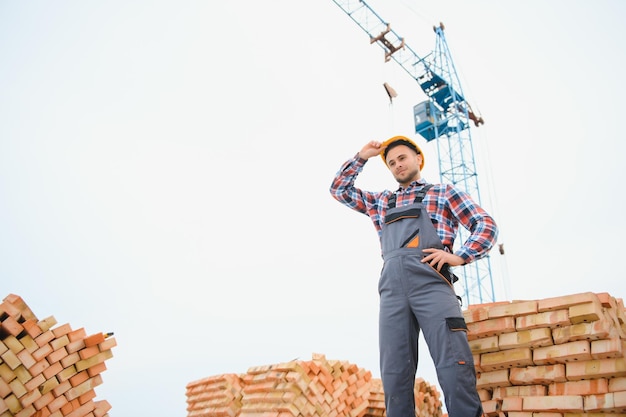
pixel 318 387
pixel 48 370
pixel 556 357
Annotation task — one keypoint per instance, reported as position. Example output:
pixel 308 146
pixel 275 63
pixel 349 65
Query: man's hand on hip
pixel 437 258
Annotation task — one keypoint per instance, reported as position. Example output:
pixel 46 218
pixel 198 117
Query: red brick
pixel 84 387
pixel 619 398
pixel 86 397
pixel 17 302
pixel 29 343
pixel 101 367
pixel 490 327
pixel 27 411
pixel 67 373
pixel 485 344
pixel 108 344
pixel 515 309
pixel 602 403
pixel 6 373
pixel 512 404
pixel 538 374
pixel 26 358
pixel 485 380
pixel 56 355
pixel 13 344
pixel 550 319
pixel 52 370
pixel 506 359
pixel 49 385
pixel 94 360
pixel 58 402
pixel 492 407
pixel 76 335
pixel 18 388
pixel 101 408
pixel 59 342
pixel 69 407
pixel 475 313
pixel 44 338
pixel 79 378
pixel 75 346
pixel 525 338
pixel 601 368
pixel 35 382
pixel 88 352
pixel 586 312
pixel 31 328
pixel 46 324
pixel 560 403
pixel 9 309
pixel 585 387
pixel 595 330
pixel 70 360
pixel 566 352
pixel 607 348
pixel 617 384
pixel 82 410
pixel 29 398
pixel 10 359
pixel 520 391
pixel 42 352
pixel 44 400
pixel 62 330
pixel 11 326
pixel 5 389
pixel 94 339
pixel 61 388
pixel 566 301
pixel 13 404
pixel 22 374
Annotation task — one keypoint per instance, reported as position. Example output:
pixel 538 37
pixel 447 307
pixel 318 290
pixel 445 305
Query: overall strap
pixel 391 202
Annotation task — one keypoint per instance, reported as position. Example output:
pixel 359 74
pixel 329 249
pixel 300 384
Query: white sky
pixel 164 170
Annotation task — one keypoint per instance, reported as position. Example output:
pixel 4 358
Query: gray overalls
pixel 414 297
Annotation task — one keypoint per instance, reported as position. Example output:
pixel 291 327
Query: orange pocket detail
pixel 413 243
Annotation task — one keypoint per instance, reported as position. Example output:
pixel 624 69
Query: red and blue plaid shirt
pixel 447 206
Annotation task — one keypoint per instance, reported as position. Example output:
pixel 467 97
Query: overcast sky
pixel 164 170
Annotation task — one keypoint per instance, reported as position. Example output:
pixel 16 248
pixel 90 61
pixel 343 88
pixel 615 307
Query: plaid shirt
pixel 447 206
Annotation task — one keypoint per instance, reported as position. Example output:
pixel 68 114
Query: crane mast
pixel 445 117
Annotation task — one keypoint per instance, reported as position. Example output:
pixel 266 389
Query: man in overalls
pixel 416 225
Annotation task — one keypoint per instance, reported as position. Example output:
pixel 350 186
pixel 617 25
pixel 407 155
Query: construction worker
pixel 416 225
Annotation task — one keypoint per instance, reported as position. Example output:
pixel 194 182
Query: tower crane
pixel 445 117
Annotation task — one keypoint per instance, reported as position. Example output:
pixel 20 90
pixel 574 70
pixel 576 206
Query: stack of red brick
pixel 319 387
pixel 563 356
pixel 48 371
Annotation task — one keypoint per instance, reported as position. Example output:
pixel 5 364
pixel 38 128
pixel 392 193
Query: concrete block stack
pixel 49 370
pixel 560 356
pixel 319 387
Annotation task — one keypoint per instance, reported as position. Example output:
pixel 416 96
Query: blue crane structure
pixel 445 116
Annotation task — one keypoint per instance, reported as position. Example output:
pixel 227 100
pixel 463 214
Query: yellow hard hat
pixel 406 141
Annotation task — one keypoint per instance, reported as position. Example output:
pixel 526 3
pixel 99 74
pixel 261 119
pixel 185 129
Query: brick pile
pixel 48 370
pixel 318 387
pixel 561 356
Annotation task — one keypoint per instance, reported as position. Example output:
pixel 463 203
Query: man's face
pixel 404 164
